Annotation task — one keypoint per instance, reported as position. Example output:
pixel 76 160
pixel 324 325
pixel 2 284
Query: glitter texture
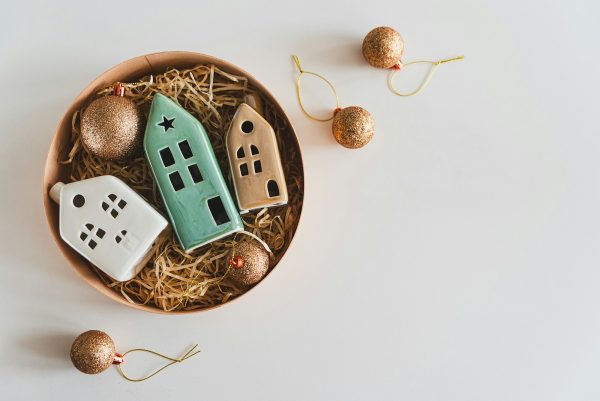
pixel 383 47
pixel 112 128
pixel 353 127
pixel 93 352
pixel 256 263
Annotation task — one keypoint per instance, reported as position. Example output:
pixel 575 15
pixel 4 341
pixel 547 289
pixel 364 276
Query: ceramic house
pixel 188 175
pixel 108 223
pixel 255 162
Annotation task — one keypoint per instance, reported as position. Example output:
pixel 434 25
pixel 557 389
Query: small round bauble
pixel 383 47
pixel 93 352
pixel 112 128
pixel 353 127
pixel 251 262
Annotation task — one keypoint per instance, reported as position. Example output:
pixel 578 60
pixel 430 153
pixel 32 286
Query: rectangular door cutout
pixel 195 173
pixel 272 189
pixel 217 209
pixel 176 181
pixel 186 151
pixel 167 157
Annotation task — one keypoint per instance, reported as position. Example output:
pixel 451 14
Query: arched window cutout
pixel 119 238
pixel 240 153
pixel 115 203
pixel 87 233
pixel 253 150
pixel 272 189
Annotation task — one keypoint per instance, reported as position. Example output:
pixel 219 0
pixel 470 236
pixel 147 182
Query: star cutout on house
pixel 167 123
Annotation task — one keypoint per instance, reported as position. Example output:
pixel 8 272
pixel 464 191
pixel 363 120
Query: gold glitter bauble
pixel 255 266
pixel 112 128
pixel 93 352
pixel 353 127
pixel 383 47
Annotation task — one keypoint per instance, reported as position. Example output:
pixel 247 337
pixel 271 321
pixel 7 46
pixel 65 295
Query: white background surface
pixel 454 258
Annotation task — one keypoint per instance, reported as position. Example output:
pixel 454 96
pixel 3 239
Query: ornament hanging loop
pixel 192 351
pixel 434 67
pixel 299 94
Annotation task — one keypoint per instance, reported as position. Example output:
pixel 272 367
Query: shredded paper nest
pixel 172 279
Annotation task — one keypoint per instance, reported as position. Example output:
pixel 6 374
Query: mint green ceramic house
pixel 188 175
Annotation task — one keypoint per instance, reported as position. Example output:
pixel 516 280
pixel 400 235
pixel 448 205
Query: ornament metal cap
pixel 94 351
pixel 118 359
pixel 119 89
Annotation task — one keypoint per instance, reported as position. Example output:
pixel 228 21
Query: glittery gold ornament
pixel 383 47
pixel 93 352
pixel 250 263
pixel 112 128
pixel 353 127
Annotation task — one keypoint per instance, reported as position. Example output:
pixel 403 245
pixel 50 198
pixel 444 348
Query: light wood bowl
pixel 128 71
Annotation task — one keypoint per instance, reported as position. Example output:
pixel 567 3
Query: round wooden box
pixel 127 71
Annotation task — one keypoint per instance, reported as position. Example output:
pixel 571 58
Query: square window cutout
pixel 195 173
pixel 257 167
pixel 176 181
pixel 167 157
pixel 185 149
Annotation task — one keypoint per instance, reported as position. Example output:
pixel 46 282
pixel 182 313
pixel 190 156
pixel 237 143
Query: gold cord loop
pixel 299 95
pixel 434 66
pixel 297 61
pixel 187 355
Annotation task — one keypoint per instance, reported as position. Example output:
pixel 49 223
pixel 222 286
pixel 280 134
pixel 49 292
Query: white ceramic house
pixel 255 161
pixel 108 223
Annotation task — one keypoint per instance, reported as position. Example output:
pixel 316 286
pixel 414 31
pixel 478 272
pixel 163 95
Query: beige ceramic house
pixel 255 162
